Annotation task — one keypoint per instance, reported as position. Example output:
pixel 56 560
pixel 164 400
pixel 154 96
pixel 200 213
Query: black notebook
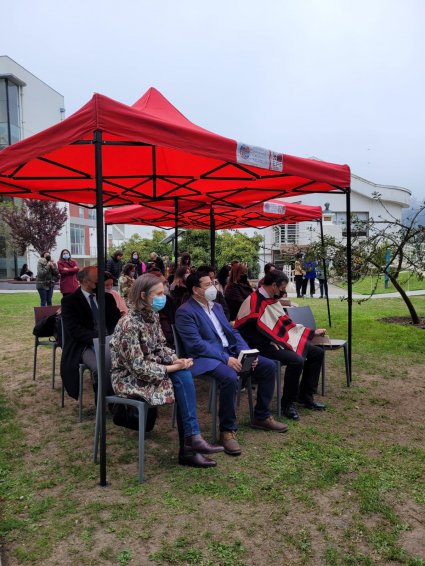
pixel 246 357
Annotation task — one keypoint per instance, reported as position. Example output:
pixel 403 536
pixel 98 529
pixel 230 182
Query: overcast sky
pixel 341 80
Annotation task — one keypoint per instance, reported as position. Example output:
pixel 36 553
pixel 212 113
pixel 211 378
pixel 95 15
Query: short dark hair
pixel 275 276
pixel 268 266
pixel 206 268
pixel 194 280
pixel 108 276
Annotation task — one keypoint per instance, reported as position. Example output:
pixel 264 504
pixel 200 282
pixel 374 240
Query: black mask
pixel 48 257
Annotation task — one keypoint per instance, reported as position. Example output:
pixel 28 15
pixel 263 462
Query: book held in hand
pixel 246 358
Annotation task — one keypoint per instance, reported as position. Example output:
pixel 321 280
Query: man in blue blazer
pixel 214 345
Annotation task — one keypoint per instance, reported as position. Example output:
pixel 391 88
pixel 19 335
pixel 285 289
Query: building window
pixel 10 131
pixel 357 218
pixel 77 239
pixel 92 214
pixel 286 234
pixel 81 212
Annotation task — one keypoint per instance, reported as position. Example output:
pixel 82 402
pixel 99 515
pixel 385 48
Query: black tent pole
pixel 176 232
pixel 322 237
pixel 106 242
pixel 212 238
pixel 101 303
pixel 349 280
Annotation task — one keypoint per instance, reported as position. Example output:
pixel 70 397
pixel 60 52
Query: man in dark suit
pixel 214 345
pixel 79 318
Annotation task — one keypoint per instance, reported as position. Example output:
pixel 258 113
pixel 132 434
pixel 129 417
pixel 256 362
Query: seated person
pixel 25 274
pixel 126 280
pixel 214 346
pixel 237 289
pixel 267 268
pixel 80 325
pixel 109 283
pixel 178 289
pixel 264 324
pixel 220 297
pixel 167 314
pixel 144 367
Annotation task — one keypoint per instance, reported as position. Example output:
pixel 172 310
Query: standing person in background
pixel 238 288
pixel 158 262
pixel 298 275
pixel 68 269
pixel 185 260
pixel 323 284
pixel 310 276
pixel 114 265
pixel 139 265
pixel 126 280
pixel 47 275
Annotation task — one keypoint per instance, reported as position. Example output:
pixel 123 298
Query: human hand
pixel 234 363
pixel 184 363
pixel 254 363
pixel 320 332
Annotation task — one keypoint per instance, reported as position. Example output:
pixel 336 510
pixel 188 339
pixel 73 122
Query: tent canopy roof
pixel 150 151
pixel 163 215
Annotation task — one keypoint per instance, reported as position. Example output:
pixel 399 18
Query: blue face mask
pixel 158 302
pixel 66 256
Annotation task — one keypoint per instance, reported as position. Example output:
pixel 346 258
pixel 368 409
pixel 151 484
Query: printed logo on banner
pixel 259 157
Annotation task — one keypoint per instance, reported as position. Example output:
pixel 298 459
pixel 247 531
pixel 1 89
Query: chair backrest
pixel 178 343
pixel 302 315
pixel 108 363
pixel 42 312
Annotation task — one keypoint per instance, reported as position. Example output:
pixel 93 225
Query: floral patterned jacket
pixel 124 285
pixel 139 356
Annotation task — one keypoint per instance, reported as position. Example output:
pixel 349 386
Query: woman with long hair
pixel 126 280
pixel 144 367
pixel 237 289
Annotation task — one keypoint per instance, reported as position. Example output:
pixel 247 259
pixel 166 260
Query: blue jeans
pixel 45 296
pixel 184 392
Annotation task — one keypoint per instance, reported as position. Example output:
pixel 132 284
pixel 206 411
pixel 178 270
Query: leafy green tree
pixel 237 245
pixel 144 246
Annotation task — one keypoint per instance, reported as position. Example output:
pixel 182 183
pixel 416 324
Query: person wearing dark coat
pixel 114 265
pixel 238 289
pixel 80 327
pixel 158 262
pixel 140 266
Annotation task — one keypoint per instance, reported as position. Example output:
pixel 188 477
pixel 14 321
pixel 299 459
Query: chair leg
pixel 143 413
pixel 213 397
pixel 96 435
pixel 174 416
pixel 80 396
pixel 278 388
pixel 250 400
pixel 62 396
pixel 35 359
pixel 53 365
pixel 323 375
pixel 210 399
pixel 347 365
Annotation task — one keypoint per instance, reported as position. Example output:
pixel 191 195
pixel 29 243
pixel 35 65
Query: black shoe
pixel 290 412
pixel 310 403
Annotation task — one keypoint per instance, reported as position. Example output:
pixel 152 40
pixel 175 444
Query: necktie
pixel 94 309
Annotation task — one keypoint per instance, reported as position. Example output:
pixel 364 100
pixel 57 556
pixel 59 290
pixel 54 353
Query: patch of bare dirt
pixel 403 321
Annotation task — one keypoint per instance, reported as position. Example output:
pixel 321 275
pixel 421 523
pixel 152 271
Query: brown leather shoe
pixel 228 440
pixel 199 444
pixel 269 424
pixel 194 459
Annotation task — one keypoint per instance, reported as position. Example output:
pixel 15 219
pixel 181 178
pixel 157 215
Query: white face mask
pixel 211 293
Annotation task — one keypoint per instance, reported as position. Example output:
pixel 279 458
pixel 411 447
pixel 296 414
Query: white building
pixel 27 106
pixel 363 205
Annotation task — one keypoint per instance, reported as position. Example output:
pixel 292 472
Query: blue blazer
pixel 200 338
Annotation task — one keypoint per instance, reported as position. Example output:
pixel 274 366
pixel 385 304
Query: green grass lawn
pixel 343 487
pixel 367 285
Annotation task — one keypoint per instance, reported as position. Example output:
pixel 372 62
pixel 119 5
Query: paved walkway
pixel 334 292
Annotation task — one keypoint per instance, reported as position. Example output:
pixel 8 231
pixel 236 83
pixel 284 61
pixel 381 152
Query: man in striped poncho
pixel 264 324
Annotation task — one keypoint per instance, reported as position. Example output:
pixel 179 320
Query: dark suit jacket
pixel 200 338
pixel 78 333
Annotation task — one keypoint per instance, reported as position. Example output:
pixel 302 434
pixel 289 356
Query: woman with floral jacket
pixel 126 280
pixel 144 367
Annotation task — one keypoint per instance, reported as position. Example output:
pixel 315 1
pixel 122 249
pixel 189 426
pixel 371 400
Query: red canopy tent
pixel 109 154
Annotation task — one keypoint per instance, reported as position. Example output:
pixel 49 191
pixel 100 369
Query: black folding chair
pixel 40 313
pixel 305 316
